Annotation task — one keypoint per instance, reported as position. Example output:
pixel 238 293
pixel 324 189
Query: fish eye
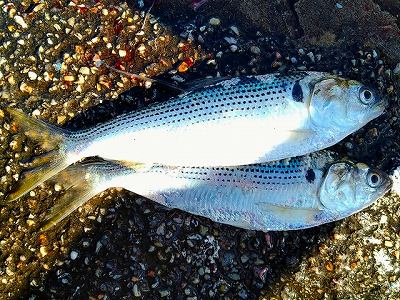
pixel 366 96
pixel 374 179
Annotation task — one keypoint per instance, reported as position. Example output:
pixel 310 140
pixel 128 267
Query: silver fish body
pixel 298 193
pixel 238 121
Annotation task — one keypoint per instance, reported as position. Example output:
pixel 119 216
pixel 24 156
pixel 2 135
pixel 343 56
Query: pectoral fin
pixel 290 215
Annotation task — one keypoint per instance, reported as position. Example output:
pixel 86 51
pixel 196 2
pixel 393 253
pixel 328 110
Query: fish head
pixel 342 105
pixel 348 188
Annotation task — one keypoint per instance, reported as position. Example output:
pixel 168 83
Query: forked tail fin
pixel 81 182
pixel 51 139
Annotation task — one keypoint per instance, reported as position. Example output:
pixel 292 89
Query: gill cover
pixel 337 192
pixel 328 96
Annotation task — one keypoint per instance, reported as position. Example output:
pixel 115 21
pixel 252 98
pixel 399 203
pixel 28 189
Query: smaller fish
pixel 298 193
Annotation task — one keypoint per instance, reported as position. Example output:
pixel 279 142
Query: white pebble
pixel 57 187
pixel 71 21
pixel 311 56
pixel 84 70
pixel 36 112
pixel 32 75
pixel 234 48
pixel 339 5
pixel 230 40
pixel 141 48
pixel 235 30
pixel 255 50
pixel 20 21
pixel 396 70
pixel 215 21
pixel 73 255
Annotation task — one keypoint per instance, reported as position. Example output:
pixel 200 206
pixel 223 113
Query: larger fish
pixel 298 193
pixel 239 121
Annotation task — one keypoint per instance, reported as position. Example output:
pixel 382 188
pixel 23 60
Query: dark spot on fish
pixel 297 92
pixel 310 176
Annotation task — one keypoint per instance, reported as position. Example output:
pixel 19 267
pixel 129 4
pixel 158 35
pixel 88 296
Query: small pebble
pixel 141 48
pixel 122 53
pixel 20 21
pixel 164 293
pixel 61 119
pixel 43 251
pixel 136 291
pixel 234 48
pixel 32 75
pixel 84 70
pixel 396 70
pixel 234 276
pixel 215 21
pixel 69 78
pixel 244 259
pixel 389 244
pixel 329 266
pixel 73 255
pixel 235 30
pixel 25 88
pixel 311 56
pixel 30 222
pixel 339 5
pixel 230 40
pixel 71 21
pixel 255 50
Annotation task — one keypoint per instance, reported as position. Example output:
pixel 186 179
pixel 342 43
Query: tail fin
pixel 80 182
pixel 51 139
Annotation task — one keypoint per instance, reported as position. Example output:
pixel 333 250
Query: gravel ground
pixel 121 246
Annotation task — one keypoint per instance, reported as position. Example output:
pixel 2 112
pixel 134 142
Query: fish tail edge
pixel 51 139
pixel 81 182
